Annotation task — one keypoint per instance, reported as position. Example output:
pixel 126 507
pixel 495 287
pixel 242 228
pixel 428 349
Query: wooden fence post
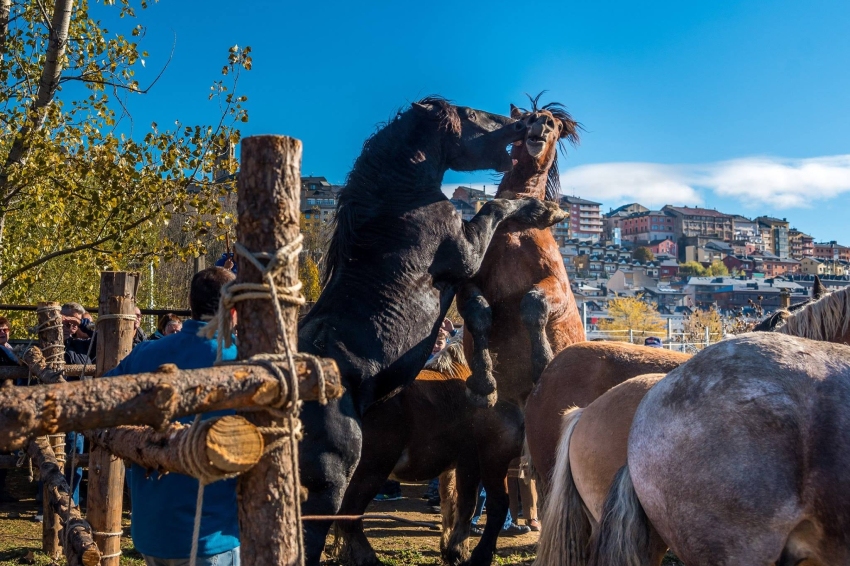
pixel 53 346
pixel 106 472
pixel 268 212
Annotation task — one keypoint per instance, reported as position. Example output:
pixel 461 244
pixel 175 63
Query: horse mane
pixel 822 319
pixel 450 361
pixel 361 190
pixel 571 127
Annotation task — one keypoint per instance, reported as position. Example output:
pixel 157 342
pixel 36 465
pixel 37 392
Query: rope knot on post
pixel 287 406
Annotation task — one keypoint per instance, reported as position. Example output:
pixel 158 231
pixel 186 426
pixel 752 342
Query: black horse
pixel 397 256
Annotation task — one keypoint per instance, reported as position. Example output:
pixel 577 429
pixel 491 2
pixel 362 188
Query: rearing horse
pixel 398 253
pixel 520 305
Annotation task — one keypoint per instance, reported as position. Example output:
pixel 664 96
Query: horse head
pixel 477 139
pixel 536 155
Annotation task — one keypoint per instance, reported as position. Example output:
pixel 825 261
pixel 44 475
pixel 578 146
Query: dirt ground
pixel 397 544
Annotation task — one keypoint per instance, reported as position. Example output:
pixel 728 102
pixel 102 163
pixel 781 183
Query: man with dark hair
pixel 7 356
pixel 164 505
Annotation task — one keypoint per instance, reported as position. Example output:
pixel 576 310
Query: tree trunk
pixel 222 446
pixel 5 8
pixel 106 471
pixel 47 85
pixel 268 209
pixel 39 369
pixel 153 399
pixel 80 549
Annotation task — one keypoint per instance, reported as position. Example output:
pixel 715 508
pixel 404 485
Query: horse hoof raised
pixel 482 401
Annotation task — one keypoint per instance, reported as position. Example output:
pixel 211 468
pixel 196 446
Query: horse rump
pixel 565 529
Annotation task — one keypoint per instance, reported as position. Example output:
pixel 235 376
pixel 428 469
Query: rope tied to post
pixel 54 354
pixel 286 408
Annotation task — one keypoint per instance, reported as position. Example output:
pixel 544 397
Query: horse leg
pixel 535 308
pixel 478 319
pixel 328 457
pixel 448 506
pixel 498 438
pixel 462 256
pixel 382 449
pixel 467 478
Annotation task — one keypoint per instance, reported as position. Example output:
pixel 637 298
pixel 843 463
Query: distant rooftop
pixel 689 211
pixel 577 200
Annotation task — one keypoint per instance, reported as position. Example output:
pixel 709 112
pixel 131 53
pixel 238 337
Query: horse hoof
pixel 482 401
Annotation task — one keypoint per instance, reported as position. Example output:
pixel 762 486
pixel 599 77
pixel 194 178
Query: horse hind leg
pixel 534 311
pixel 478 319
pixel 448 506
pixel 467 478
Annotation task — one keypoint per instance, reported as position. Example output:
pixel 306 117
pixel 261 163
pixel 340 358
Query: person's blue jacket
pixel 164 506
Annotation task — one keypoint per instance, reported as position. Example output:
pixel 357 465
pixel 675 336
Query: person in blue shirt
pixel 164 505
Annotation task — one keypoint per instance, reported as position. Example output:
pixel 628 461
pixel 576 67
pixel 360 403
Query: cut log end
pixel 91 556
pixel 233 444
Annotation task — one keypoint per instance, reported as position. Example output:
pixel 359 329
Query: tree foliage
pixel 643 254
pixel 308 272
pixel 78 188
pixel 694 328
pixel 632 313
pixel 696 269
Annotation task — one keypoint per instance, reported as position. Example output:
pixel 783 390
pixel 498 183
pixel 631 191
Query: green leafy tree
pixel 692 268
pixel 643 254
pixel 632 313
pixel 717 269
pixel 308 272
pixel 80 191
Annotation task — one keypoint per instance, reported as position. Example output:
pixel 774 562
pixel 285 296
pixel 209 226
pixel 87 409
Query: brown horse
pixel 592 449
pixel 519 305
pixel 575 378
pixel 431 428
pixel 738 457
pixel 581 373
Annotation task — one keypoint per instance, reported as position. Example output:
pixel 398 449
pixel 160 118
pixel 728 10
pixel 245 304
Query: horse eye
pixel 470 114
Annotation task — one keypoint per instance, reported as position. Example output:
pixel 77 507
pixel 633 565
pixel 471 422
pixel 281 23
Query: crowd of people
pixel 163 506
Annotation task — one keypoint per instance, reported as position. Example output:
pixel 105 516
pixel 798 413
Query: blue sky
pixel 740 106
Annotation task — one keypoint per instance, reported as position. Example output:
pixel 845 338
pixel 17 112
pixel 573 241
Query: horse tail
pixel 448 506
pixel 565 529
pixel 624 536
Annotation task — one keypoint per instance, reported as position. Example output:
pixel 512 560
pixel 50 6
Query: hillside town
pixel 678 258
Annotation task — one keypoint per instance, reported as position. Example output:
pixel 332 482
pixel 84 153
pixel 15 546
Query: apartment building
pixel 585 218
pixel 831 250
pixel 691 222
pixel 800 245
pixel 650 226
pixel 774 233
pixel 614 217
pixel 318 199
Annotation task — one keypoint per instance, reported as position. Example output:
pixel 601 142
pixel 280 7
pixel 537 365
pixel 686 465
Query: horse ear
pixel 516 113
pixel 423 108
pixel 818 289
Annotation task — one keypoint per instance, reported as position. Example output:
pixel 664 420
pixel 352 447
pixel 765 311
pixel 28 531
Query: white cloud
pixel 774 182
pixel 650 184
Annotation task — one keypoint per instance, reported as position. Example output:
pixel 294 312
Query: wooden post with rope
pixel 268 220
pixel 106 471
pixel 50 337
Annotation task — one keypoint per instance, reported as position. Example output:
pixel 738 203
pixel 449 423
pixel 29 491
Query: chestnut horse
pixel 594 440
pixel 519 306
pixel 428 429
pixel 577 376
pixel 581 373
